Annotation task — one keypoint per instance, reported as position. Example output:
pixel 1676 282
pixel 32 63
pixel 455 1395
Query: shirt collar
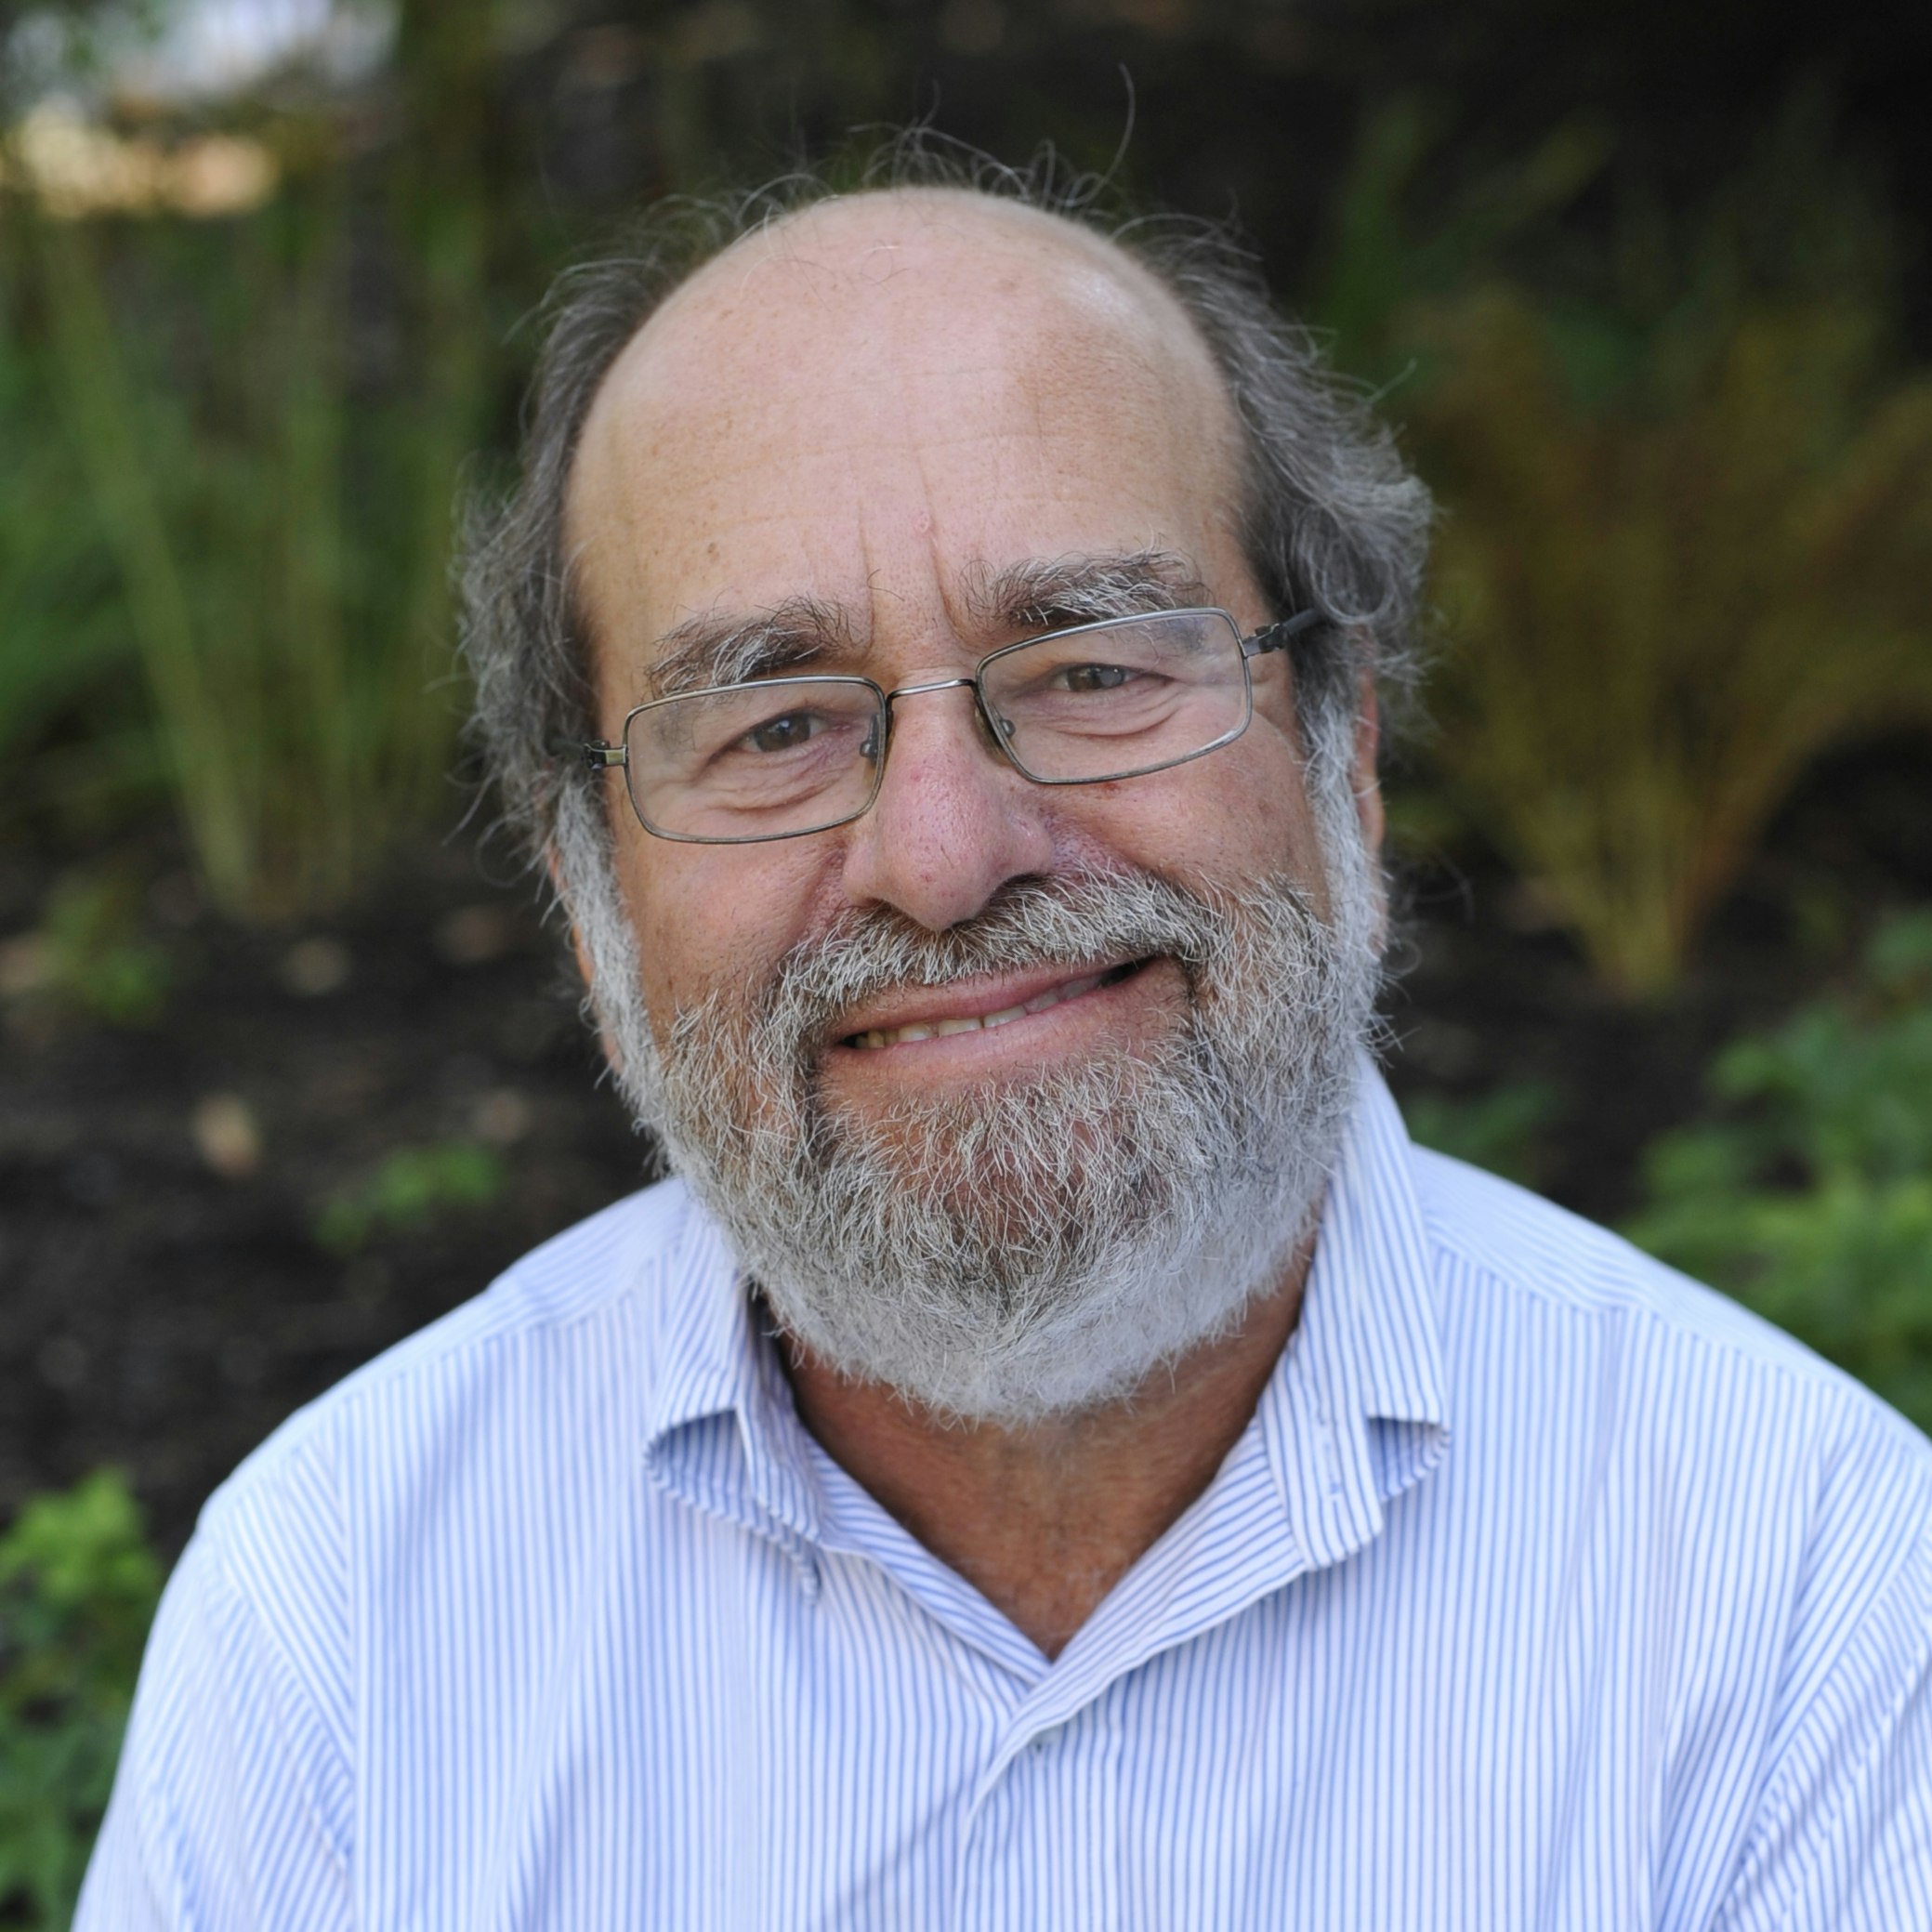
pixel 1353 1415
pixel 1354 1412
pixel 721 1427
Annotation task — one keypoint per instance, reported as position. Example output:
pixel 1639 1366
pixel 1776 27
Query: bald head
pixel 853 384
pixel 967 247
pixel 919 278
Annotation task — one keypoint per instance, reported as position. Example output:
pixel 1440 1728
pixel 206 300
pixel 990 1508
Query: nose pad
pixel 995 728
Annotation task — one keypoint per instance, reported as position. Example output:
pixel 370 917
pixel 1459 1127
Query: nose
pixel 953 820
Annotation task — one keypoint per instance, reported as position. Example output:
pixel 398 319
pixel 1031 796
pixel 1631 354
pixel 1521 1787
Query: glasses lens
pixel 1116 699
pixel 755 760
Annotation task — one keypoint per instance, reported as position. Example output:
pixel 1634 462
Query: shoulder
pixel 1618 1374
pixel 571 1306
pixel 474 1465
pixel 1591 1385
pixel 1781 1509
pixel 1508 1252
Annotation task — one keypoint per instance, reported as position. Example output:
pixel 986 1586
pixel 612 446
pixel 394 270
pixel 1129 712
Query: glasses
pixel 779 757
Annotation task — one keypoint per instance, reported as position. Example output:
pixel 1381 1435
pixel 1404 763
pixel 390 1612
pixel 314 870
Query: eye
pixel 1094 677
pixel 785 733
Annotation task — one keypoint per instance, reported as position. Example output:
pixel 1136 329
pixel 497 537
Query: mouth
pixel 953 1010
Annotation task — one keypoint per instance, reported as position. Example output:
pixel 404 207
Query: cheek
pixel 1240 814
pixel 715 917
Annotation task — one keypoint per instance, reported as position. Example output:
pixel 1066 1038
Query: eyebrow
pixel 1034 594
pixel 1041 594
pixel 712 650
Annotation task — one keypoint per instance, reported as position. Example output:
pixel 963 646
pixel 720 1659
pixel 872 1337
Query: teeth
pixel 1055 994
pixel 942 1029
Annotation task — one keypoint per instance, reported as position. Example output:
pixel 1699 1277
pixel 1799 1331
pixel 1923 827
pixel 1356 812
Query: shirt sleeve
pixel 227 1813
pixel 1843 1836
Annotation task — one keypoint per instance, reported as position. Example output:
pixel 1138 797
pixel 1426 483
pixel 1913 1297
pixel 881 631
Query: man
pixel 1056 1455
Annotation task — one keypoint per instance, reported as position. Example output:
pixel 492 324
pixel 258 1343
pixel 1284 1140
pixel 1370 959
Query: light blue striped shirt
pixel 1544 1590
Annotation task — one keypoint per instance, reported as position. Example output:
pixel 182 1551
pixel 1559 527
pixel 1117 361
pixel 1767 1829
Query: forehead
pixel 880 396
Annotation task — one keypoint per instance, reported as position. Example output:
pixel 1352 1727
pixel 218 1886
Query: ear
pixel 578 951
pixel 581 955
pixel 1368 783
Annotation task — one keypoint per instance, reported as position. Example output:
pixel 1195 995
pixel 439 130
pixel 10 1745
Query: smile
pixel 1041 1001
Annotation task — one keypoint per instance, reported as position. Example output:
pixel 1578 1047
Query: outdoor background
pixel 289 1065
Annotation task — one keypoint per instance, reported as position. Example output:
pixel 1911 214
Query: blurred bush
pixel 1663 616
pixel 1808 1193
pixel 1502 1129
pixel 281 527
pixel 232 444
pixel 78 1587
pixel 90 953
pixel 1686 533
pixel 70 714
pixel 409 1190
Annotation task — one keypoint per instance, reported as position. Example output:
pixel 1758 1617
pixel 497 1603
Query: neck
pixel 1045 1520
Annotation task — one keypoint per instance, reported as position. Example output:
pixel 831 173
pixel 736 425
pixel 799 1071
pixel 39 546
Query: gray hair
pixel 1332 520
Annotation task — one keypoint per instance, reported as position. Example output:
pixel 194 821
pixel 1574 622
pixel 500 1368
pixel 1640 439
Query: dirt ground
pixel 165 1297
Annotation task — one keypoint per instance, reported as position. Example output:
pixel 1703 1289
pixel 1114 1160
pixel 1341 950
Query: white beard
pixel 1043 1244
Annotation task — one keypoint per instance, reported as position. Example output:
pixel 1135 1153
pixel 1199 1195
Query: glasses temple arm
pixel 1276 637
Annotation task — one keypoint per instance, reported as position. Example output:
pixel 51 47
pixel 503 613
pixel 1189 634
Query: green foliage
pixel 1809 1195
pixel 78 1586
pixel 64 646
pixel 411 1188
pixel 1688 512
pixel 95 957
pixel 1385 256
pixel 1498 1130
pixel 1664 618
pixel 53 645
pixel 281 531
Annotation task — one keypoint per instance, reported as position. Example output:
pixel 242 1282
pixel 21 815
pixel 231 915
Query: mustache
pixel 1079 921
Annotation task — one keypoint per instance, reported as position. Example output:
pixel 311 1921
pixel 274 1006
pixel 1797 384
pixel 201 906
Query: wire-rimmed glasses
pixel 778 757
